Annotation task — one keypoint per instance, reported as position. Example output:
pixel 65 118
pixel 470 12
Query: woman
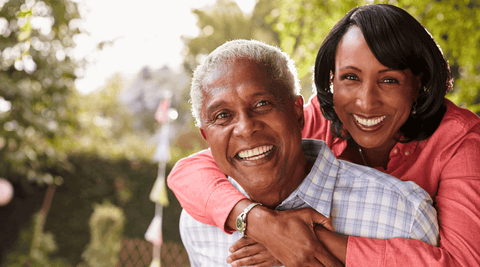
pixel 381 82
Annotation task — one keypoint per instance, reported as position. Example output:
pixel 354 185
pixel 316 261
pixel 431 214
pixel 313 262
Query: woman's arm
pixel 458 208
pixel 288 235
pixel 203 190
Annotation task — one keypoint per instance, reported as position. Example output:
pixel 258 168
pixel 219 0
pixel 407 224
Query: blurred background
pixel 94 111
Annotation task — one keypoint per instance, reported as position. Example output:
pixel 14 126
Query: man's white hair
pixel 280 65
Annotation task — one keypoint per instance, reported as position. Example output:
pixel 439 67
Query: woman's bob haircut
pixel 400 42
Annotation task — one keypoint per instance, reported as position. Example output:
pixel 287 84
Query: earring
pixel 414 108
pixel 331 82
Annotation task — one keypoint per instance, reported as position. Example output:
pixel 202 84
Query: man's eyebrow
pixel 215 106
pixel 261 93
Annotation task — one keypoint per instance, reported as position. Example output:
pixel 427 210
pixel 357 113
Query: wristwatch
pixel 241 222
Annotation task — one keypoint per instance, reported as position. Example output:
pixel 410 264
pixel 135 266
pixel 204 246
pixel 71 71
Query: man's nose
pixel 247 125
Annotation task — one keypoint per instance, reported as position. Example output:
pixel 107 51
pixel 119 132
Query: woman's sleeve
pixel 458 210
pixel 316 126
pixel 203 189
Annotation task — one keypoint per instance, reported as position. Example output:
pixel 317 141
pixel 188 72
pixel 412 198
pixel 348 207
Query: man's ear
pixel 298 108
pixel 203 134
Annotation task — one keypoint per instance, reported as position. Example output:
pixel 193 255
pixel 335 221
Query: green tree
pixel 225 21
pixel 105 126
pixel 270 22
pixel 455 25
pixel 40 255
pixel 36 86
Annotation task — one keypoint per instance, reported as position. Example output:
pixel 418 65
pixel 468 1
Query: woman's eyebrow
pixel 350 67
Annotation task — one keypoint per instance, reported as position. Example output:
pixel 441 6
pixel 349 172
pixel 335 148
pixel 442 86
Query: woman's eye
pixel 350 77
pixel 390 80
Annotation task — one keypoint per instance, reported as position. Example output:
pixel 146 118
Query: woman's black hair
pixel 398 41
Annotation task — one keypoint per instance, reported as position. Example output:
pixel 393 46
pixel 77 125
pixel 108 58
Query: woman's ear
pixel 418 86
pixel 331 81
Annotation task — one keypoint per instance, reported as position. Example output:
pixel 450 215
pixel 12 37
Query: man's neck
pixel 272 197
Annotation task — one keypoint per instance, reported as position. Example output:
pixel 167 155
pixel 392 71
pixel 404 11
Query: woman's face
pixel 371 100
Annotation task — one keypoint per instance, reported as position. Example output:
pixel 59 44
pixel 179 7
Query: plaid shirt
pixel 362 201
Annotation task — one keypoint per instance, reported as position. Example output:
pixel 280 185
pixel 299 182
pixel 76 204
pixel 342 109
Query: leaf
pixel 24 36
pixel 24 13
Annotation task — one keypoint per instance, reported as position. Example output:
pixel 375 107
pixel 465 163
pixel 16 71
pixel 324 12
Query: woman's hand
pixel 248 252
pixel 289 236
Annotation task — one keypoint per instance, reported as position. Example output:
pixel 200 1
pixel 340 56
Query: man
pixel 245 98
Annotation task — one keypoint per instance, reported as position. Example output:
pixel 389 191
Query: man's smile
pixel 255 153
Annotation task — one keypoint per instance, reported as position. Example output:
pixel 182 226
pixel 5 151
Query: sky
pixel 145 33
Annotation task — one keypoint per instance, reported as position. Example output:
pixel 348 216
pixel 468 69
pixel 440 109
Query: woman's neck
pixel 375 157
pixel 371 157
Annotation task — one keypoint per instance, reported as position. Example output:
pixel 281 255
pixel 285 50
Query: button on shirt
pixel 361 201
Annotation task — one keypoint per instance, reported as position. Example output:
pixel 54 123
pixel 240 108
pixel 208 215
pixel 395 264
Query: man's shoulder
pixel 206 245
pixel 358 176
pixel 312 147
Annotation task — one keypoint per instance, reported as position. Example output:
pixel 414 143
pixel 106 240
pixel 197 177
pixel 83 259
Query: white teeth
pixel 369 122
pixel 256 153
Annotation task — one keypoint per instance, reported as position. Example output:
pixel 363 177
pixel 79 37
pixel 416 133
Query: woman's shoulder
pixel 459 120
pixel 459 125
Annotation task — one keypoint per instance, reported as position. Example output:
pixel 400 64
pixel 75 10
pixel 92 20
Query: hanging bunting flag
pixel 161 115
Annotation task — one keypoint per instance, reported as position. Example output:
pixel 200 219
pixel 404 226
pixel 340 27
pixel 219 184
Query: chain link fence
pixel 138 253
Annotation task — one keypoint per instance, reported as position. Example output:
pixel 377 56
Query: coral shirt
pixel 447 166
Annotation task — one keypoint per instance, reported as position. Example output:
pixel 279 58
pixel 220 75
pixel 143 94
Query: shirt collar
pixel 317 188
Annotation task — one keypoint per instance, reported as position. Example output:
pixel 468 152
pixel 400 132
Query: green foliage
pixel 106 229
pixel 218 23
pixel 225 21
pixel 455 25
pixel 34 248
pixel 91 179
pixel 36 82
pixel 105 126
pixel 217 26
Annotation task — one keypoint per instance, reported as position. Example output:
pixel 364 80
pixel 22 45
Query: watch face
pixel 239 225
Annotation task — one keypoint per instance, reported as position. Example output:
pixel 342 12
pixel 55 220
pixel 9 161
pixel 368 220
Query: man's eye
pixel 262 103
pixel 222 115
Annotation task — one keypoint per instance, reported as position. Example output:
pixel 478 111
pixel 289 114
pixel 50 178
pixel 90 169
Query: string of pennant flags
pixel 158 195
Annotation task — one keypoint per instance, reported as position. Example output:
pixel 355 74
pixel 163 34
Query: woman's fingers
pixel 247 252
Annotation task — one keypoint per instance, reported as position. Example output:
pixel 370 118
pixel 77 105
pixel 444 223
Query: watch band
pixel 241 222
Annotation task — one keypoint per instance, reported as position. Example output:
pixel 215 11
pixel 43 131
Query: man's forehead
pixel 243 73
pixel 226 67
pixel 228 70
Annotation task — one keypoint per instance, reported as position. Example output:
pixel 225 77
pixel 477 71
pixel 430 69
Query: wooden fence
pixel 138 253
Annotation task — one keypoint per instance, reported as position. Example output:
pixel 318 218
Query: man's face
pixel 253 126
